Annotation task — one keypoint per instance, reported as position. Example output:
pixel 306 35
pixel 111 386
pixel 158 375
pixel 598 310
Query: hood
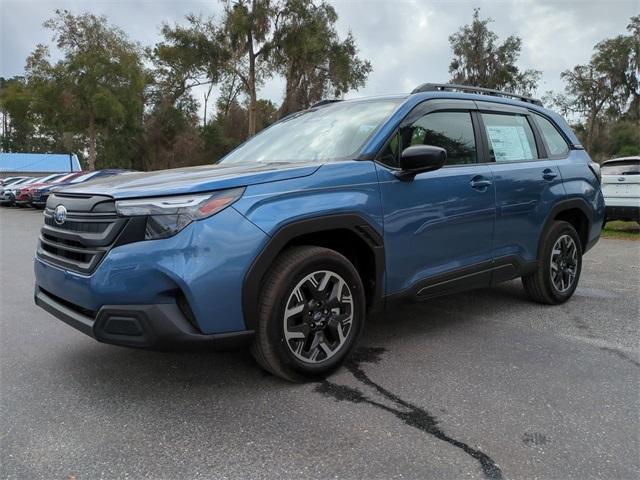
pixel 189 180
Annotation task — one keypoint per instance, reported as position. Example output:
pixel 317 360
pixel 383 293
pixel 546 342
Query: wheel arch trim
pixel 563 206
pixel 354 222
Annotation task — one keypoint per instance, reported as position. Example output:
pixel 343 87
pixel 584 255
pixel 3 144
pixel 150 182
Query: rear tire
pixel 560 263
pixel 312 310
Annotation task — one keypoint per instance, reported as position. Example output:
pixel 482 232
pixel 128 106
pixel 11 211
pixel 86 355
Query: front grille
pixel 90 230
pixel 95 227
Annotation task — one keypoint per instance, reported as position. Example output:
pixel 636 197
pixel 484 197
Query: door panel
pixel 437 223
pixel 526 186
pixel 525 193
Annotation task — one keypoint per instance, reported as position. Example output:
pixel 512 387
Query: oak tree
pixel 480 60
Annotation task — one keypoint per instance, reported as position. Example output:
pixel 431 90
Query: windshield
pixel 50 177
pixel 65 177
pixel 332 132
pixel 15 181
pixel 84 177
pixel 27 182
pixel 623 167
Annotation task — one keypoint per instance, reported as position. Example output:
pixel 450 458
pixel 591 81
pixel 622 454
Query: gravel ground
pixel 484 384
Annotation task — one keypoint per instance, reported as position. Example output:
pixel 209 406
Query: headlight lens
pixel 166 216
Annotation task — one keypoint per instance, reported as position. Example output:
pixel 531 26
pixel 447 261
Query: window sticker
pixel 509 143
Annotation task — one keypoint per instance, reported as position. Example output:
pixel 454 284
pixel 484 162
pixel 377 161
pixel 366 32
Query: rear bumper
pixel 623 213
pixel 157 327
pixel 39 201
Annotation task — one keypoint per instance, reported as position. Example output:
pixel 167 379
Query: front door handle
pixel 479 183
pixel 549 174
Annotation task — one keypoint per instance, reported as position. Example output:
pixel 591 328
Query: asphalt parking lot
pixel 479 385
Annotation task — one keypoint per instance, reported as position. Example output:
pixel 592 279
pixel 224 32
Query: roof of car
pixel 410 101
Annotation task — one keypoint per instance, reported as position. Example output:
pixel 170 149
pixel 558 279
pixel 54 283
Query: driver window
pixel 452 131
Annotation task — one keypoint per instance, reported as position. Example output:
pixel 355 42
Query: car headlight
pixel 166 216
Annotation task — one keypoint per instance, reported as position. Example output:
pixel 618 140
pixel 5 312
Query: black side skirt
pixel 480 275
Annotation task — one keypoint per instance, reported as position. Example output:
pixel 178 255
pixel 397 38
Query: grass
pixel 621 230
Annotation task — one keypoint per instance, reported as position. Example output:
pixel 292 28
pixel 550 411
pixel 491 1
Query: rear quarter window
pixel 555 143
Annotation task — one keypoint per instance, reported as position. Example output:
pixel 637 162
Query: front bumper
pixel 200 271
pixel 23 201
pixel 158 327
pixel 7 199
pixel 39 201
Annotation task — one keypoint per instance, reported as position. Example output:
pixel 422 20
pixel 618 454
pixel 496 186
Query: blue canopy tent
pixel 31 163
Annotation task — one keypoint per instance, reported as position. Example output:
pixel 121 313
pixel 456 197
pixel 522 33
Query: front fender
pixel 339 187
pixel 339 196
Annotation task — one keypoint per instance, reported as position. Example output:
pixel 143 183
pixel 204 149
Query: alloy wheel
pixel 318 316
pixel 564 263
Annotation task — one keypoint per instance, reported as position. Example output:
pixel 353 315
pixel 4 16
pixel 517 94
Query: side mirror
pixel 419 159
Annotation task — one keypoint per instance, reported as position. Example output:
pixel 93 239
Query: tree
pixel 171 136
pixel 97 97
pixel 24 129
pixel 248 29
pixel 311 57
pixel 480 61
pixel 607 89
pixel 254 40
pixel 17 120
pixel 97 87
pixel 233 52
pixel 228 129
pixel 188 57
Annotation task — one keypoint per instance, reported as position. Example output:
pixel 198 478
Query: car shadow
pixel 130 371
pixel 452 311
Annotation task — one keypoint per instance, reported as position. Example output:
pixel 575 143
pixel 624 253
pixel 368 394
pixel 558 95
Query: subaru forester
pixel 291 240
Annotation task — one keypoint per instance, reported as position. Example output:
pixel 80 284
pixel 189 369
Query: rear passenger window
pixel 510 137
pixel 452 131
pixel 556 145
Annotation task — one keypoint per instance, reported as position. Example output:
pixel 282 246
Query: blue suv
pixel 331 213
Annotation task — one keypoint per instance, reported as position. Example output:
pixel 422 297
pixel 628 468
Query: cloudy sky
pixel 405 40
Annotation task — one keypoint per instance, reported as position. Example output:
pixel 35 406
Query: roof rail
pixel 451 87
pixel 325 102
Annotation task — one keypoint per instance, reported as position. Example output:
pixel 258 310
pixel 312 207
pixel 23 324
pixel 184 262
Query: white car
pixel 8 192
pixel 621 188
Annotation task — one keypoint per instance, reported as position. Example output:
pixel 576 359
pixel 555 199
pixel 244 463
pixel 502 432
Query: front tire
pixel 312 311
pixel 560 265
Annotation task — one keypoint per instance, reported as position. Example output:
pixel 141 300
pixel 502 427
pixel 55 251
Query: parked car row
pixel 34 191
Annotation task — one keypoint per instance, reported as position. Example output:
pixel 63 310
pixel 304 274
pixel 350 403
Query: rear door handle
pixel 549 174
pixel 479 182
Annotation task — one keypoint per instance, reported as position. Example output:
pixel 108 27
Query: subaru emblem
pixel 60 214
